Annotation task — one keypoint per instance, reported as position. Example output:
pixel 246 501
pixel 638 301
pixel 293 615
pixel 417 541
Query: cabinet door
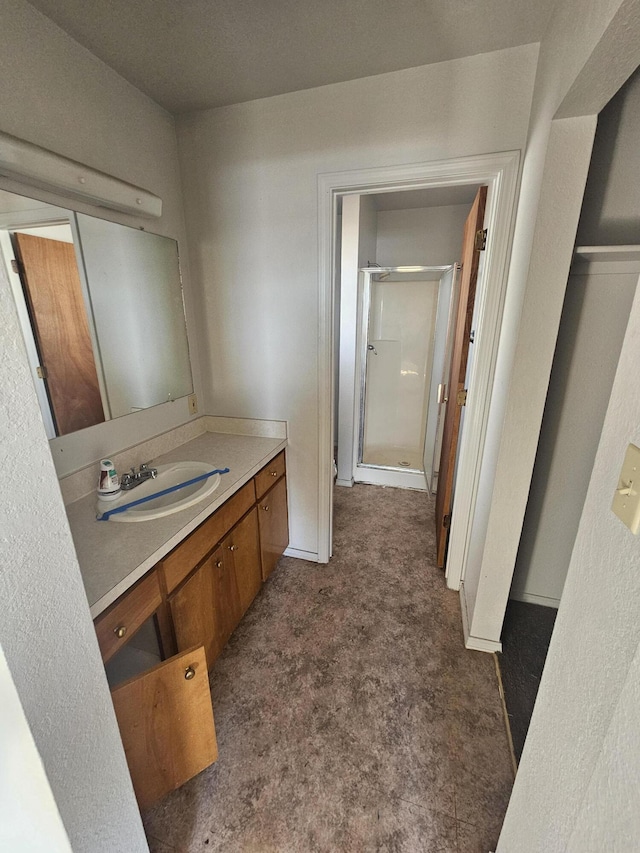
pixel 206 609
pixel 274 526
pixel 242 556
pixel 166 724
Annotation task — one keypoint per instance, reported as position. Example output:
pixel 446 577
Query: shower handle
pixel 372 349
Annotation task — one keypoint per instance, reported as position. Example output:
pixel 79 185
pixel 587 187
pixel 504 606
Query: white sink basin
pixel 168 476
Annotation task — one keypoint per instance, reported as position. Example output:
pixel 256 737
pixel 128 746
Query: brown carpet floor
pixel 349 715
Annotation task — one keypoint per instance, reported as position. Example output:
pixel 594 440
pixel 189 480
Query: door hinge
pixel 41 370
pixel 446 521
pixel 481 240
pixel 461 398
pixel 15 266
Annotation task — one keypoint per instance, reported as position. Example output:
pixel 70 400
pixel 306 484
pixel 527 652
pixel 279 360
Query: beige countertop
pixel 114 556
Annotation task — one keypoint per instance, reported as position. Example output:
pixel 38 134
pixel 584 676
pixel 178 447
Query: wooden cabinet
pixel 274 526
pixel 206 608
pixel 166 724
pixel 270 473
pixel 242 553
pixel 164 714
pixel 116 626
pixel 197 595
pixel 185 557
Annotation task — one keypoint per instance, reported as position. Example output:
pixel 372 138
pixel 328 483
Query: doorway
pixel 499 173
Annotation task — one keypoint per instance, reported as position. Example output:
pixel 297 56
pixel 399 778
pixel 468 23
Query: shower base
pixel 400 467
pixel 394 457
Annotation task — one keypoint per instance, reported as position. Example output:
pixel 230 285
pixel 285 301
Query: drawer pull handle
pixel 265 507
pixel 189 673
pixel 218 564
pixel 120 631
pixel 233 547
pixel 273 473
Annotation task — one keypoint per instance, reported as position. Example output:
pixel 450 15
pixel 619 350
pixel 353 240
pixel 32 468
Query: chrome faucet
pixel 134 478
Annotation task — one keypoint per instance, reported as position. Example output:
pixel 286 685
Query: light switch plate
pixel 193 404
pixel 626 501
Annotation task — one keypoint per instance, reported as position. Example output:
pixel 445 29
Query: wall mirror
pixel 101 309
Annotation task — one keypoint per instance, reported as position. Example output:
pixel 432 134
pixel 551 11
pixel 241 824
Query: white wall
pixel 46 631
pixel 428 236
pixel 250 185
pixel 29 819
pixel 56 94
pixel 367 241
pixel 576 787
pixel 59 96
pixel 502 498
pixel 580 69
pixel 358 248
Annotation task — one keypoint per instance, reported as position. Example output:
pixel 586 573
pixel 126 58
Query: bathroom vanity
pixel 188 578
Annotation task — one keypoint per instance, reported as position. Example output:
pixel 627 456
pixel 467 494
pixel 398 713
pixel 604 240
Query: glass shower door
pixel 400 312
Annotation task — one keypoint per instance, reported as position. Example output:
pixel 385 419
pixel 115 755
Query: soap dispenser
pixel 109 484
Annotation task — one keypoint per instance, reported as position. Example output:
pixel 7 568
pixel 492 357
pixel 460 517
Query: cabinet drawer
pixel 177 565
pixel 269 474
pixel 127 615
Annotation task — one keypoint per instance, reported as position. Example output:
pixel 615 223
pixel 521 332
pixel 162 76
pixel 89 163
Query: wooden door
pixel 242 555
pixel 459 358
pixel 206 608
pixel 54 295
pixel 274 526
pixel 166 724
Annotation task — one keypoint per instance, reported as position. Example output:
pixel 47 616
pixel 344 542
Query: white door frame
pixel 500 172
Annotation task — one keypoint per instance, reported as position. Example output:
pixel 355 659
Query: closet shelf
pixel 607 253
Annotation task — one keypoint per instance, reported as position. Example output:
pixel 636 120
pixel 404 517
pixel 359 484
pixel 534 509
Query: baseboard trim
pixel 310 556
pixel 478 644
pixel 531 598
pixel 505 715
pixel 347 483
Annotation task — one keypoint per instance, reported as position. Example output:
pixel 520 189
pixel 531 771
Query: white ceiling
pixel 193 54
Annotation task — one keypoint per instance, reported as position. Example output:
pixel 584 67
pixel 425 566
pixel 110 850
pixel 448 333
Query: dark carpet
pixel 525 641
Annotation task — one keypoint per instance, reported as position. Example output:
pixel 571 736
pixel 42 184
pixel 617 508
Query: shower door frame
pixel 389 475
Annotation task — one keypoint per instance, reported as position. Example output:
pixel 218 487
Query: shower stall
pixel 405 323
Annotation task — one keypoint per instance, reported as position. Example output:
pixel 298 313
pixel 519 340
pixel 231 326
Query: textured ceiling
pixel 202 53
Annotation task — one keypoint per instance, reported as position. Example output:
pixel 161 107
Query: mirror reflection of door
pixel 51 283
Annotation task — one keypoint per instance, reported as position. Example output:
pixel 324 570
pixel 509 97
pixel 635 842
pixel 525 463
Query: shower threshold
pixel 390 475
pixel 401 466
